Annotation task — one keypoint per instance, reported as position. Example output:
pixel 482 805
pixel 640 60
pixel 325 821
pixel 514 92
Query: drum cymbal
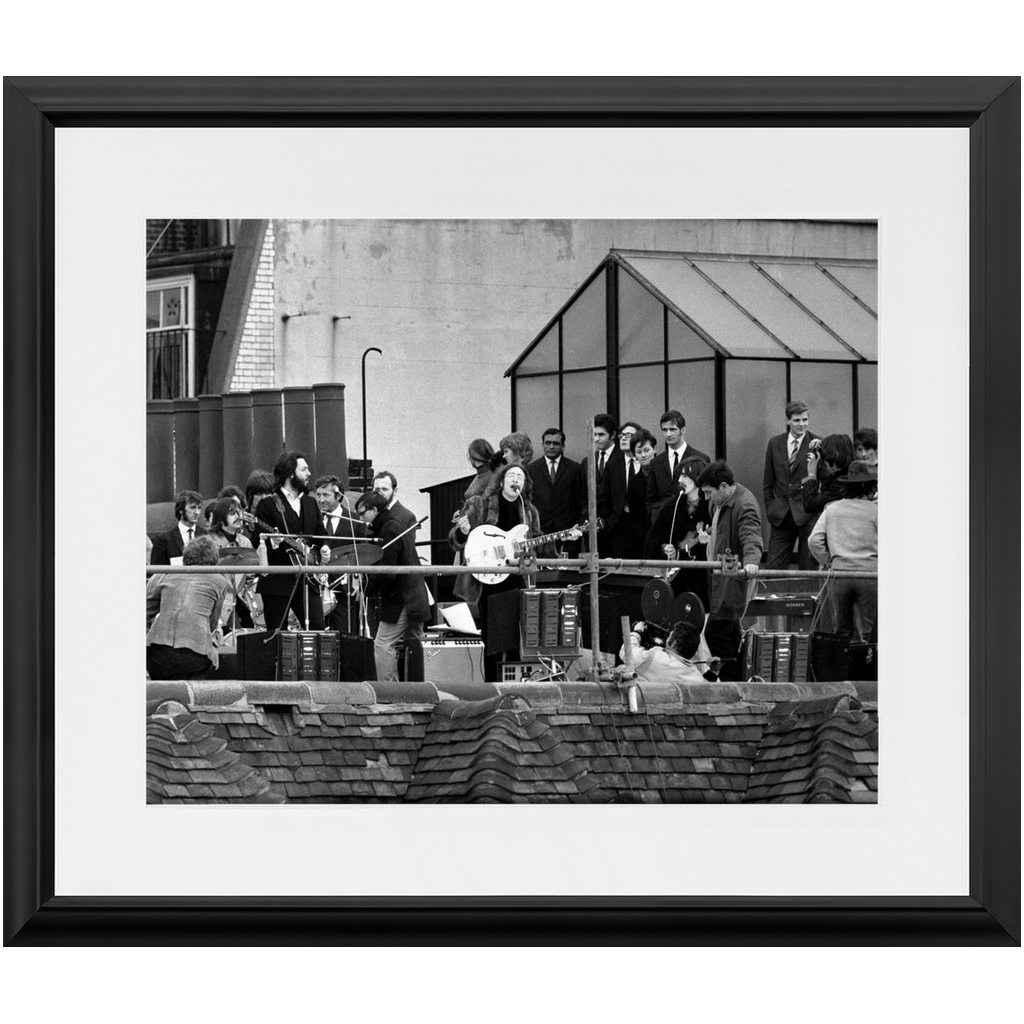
pixel 656 602
pixel 239 556
pixel 356 554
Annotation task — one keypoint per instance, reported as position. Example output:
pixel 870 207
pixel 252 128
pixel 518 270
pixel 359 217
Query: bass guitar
pixel 489 545
pixel 299 553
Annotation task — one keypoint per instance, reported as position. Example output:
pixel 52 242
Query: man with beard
pixel 403 598
pixel 291 510
pixel 385 483
pixel 169 546
pixel 339 523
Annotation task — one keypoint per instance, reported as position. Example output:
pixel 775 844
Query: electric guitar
pixel 489 545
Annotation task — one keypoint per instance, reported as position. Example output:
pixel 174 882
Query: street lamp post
pixel 366 352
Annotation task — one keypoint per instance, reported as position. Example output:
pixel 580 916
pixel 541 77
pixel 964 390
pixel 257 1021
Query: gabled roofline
pixel 568 302
pixel 622 260
pixel 731 257
pixel 622 257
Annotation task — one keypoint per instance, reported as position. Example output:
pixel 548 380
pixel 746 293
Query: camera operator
pixel 684 658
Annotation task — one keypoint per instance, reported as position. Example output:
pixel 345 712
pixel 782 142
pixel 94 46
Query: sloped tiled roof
pixel 536 742
pixel 819 751
pixel 497 750
pixel 187 763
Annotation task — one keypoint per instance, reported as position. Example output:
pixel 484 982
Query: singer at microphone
pixel 505 504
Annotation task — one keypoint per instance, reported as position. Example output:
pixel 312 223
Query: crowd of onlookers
pixel 678 504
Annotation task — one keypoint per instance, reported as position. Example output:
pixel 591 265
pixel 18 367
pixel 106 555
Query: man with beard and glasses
pixel 290 510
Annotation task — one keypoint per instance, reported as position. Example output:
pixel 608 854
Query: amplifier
pixel 432 660
pixel 356 661
pixel 548 623
pixel 781 613
pixel 256 658
pixel 309 655
pixel 776 657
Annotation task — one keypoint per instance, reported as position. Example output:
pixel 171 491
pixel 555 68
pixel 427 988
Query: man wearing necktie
pixel 337 520
pixel 785 466
pixel 623 520
pixel 558 493
pixel 664 472
pixel 169 547
pixel 605 455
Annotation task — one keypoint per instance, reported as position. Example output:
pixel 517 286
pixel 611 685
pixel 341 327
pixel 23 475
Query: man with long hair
pixel 290 510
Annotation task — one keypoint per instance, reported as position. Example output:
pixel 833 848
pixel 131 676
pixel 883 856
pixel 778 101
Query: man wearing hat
pixel 846 537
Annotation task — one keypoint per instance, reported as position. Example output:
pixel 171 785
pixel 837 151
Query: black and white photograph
pixel 512 511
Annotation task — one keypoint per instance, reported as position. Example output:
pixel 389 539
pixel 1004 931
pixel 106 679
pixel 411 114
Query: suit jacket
pixel 306 524
pixel 343 530
pixel 167 546
pixel 738 530
pixel 625 519
pixel 661 484
pixel 404 517
pixel 585 469
pixel 558 503
pixel 782 482
pixel 398 592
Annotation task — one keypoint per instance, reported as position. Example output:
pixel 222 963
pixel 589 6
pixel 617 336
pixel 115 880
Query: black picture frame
pixel 989 107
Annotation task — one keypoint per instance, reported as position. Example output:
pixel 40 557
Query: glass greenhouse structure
pixel 726 339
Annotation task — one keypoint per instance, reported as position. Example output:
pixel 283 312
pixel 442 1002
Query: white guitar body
pixel 488 545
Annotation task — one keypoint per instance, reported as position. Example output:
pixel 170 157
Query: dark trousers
pixel 847 594
pixel 164 662
pixel 780 544
pixel 723 638
pixel 275 608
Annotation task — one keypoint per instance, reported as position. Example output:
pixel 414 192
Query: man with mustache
pixel 291 510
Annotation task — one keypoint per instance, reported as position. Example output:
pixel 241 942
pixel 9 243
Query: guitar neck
pixel 296 543
pixel 533 542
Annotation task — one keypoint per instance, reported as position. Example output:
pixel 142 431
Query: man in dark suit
pixel 664 473
pixel 623 517
pixel 340 524
pixel 386 483
pixel 404 605
pixel 605 452
pixel 785 466
pixel 291 510
pixel 169 547
pixel 557 488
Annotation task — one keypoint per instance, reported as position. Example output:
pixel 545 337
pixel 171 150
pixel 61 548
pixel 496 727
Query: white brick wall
pixel 254 367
